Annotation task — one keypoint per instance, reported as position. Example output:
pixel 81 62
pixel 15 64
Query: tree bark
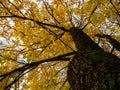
pixel 92 68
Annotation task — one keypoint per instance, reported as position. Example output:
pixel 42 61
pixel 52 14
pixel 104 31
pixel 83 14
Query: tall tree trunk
pixel 92 68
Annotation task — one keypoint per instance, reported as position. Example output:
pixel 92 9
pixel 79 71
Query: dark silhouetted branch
pixel 114 42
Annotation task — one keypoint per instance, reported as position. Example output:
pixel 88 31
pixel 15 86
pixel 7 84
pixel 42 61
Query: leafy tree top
pixel 39 42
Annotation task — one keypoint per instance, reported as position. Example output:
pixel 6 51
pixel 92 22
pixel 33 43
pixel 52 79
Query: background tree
pixel 59 44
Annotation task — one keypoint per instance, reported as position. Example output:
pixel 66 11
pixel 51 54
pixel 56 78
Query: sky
pixel 3 41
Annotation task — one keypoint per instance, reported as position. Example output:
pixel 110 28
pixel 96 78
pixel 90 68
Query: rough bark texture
pixel 92 68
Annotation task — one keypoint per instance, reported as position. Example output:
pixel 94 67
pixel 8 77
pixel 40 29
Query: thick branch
pixel 27 66
pixel 40 23
pixel 31 66
pixel 36 21
pixel 114 42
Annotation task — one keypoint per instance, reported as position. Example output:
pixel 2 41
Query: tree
pixel 60 44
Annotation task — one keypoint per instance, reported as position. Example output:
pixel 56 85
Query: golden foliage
pixel 33 29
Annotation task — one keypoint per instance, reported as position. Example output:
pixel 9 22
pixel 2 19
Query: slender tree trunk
pixel 92 68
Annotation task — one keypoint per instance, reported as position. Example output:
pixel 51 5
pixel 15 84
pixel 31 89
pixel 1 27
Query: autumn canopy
pixel 59 44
